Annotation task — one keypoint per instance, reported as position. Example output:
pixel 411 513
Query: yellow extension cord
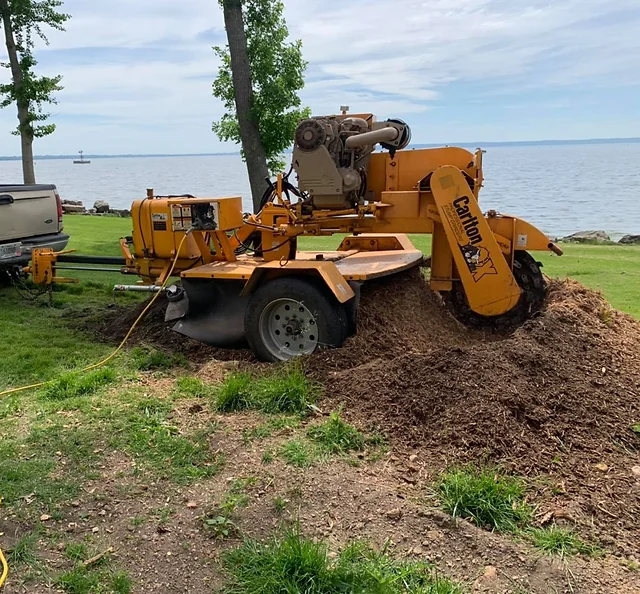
pixel 3 561
pixel 5 569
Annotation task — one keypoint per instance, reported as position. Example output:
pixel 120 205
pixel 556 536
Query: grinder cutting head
pixel 331 156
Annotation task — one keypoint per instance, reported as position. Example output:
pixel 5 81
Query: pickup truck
pixel 30 217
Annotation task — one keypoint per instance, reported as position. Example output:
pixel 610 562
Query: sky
pixel 137 74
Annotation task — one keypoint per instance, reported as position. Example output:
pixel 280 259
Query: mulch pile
pixel 571 374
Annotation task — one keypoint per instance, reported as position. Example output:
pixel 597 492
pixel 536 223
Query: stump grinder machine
pixel 241 277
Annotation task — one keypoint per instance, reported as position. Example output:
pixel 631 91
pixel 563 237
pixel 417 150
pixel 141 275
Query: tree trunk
pixel 26 141
pixel 26 134
pixel 243 91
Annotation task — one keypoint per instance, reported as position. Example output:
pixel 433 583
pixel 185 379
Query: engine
pixel 331 155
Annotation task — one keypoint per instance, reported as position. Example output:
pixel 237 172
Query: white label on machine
pixel 159 216
pixel 522 241
pixel 178 225
pixel 176 211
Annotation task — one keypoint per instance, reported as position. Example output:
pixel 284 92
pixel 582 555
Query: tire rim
pixel 288 329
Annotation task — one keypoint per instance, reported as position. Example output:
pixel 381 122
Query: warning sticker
pixel 180 217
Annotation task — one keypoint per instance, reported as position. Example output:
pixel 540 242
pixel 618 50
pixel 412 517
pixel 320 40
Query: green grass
pixel 97 578
pixel 84 580
pixel 337 436
pixel 285 390
pixel 487 497
pixel 121 583
pixel 288 390
pixel 145 432
pixel 192 387
pixel 96 235
pixel 559 541
pixel 295 564
pixel 300 453
pixel 279 504
pixel 612 269
pixel 236 393
pixel 27 474
pixel 43 344
pixel 45 466
pixel 71 385
pixel 76 551
pixel 149 359
pixel 24 551
pixel 271 427
pixel 267 457
pixel 46 341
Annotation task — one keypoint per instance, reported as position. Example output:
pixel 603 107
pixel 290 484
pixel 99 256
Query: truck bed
pixel 30 217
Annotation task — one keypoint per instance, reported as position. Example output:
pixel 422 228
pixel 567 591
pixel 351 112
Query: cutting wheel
pixel 530 279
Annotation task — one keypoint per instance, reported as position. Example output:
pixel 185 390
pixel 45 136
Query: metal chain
pixel 26 292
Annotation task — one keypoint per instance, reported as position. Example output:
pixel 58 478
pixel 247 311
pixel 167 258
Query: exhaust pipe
pixel 383 135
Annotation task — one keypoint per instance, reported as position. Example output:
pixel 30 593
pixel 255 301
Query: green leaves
pixel 277 70
pixel 29 16
pixel 23 19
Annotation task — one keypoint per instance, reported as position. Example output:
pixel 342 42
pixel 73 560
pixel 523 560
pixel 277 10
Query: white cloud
pixel 415 47
pixel 150 80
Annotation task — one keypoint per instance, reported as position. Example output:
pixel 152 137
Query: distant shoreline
pixel 517 143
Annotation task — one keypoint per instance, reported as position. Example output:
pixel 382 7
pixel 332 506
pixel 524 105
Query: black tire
pixel 528 275
pixel 322 313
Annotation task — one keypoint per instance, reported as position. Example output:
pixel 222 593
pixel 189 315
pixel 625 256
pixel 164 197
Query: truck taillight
pixel 59 206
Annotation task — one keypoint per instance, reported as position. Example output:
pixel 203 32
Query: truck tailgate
pixel 26 211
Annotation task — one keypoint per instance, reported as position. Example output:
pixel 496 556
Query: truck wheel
pixel 290 316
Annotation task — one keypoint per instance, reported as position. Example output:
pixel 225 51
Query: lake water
pixel 561 189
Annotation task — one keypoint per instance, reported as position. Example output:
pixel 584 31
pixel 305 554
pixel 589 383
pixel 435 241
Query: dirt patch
pixel 158 537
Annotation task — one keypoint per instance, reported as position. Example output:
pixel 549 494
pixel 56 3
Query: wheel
pixel 528 275
pixel 292 316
